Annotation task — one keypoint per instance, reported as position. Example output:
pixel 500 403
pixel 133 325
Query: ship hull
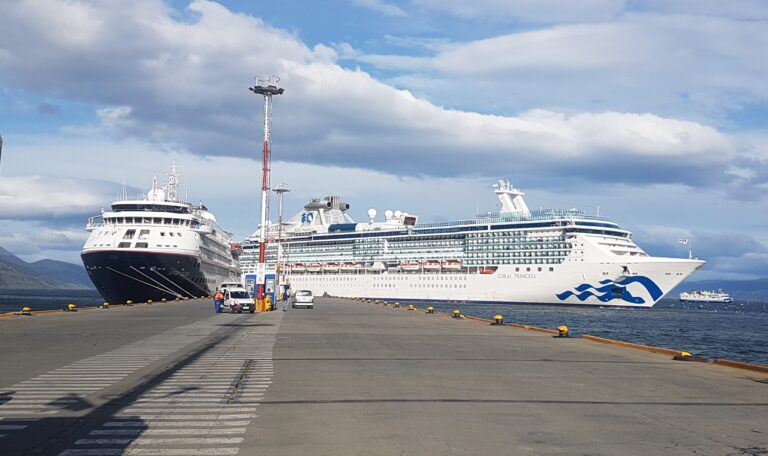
pixel 596 285
pixel 122 276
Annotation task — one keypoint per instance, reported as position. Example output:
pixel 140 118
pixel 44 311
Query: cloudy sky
pixel 654 110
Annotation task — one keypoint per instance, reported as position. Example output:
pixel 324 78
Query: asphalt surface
pixel 350 378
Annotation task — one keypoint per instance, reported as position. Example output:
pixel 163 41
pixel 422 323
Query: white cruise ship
pixel 706 296
pixel 513 256
pixel 158 247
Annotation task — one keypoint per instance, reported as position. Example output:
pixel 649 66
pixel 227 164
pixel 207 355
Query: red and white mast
pixel 266 86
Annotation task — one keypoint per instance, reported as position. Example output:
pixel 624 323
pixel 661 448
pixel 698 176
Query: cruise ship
pixel 517 255
pixel 706 296
pixel 158 247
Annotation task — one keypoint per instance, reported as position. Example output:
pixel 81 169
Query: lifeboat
pixel 432 265
pixel 452 265
pixel 410 265
pixel 348 267
pixel 298 267
pixel 314 267
pixel 489 270
pixel 331 267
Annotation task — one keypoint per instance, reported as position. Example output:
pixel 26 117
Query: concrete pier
pixel 351 378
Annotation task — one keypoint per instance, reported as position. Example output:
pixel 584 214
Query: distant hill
pixel 748 290
pixel 16 273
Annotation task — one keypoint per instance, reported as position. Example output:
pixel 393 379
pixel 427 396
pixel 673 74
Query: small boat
pixel 314 267
pixel 452 265
pixel 706 296
pixel 410 266
pixel 298 267
pixel 331 267
pixel 489 270
pixel 432 265
pixel 348 267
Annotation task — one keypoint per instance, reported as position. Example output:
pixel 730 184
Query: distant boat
pixel 705 296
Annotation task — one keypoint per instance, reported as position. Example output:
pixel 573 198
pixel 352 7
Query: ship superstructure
pixel 517 255
pixel 158 247
pixel 706 296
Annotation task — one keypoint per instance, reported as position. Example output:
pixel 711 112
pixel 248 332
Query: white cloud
pixel 528 11
pixel 381 6
pixel 44 197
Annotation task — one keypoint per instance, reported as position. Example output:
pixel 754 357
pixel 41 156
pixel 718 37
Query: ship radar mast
pixel 172 187
pixel 511 199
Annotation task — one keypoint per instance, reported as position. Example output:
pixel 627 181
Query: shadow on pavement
pixel 51 435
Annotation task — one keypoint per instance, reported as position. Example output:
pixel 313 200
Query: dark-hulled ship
pixel 158 247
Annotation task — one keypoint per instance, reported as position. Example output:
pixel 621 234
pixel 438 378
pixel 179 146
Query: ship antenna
pixel 172 187
pixel 125 191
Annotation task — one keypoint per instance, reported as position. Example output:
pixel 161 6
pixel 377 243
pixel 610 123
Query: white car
pixel 237 299
pixel 303 298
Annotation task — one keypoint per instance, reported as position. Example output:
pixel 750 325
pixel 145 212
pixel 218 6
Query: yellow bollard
pixel 178 299
pixel 456 313
pixel 498 320
pixel 163 300
pixel 129 303
pixel 430 310
pixel 149 301
pixel 562 331
pixel 397 304
pixel 410 307
pixel 105 305
pixel 268 303
pixel 26 311
pixel 71 308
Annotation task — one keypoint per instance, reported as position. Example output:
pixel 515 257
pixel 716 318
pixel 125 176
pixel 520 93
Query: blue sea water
pixel 737 330
pixel 14 300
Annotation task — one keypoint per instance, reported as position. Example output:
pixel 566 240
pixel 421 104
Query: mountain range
pixel 16 273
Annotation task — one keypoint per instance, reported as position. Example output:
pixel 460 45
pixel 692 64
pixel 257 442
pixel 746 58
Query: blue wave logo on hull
pixel 610 290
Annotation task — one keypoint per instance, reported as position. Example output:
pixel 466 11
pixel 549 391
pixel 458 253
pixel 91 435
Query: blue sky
pixel 655 110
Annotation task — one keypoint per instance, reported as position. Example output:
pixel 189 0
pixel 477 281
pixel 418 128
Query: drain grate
pixel 239 383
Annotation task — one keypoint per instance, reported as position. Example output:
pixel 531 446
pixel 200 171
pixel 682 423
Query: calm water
pixel 14 300
pixel 735 331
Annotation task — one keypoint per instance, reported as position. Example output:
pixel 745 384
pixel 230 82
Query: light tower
pixel 266 86
pixel 280 189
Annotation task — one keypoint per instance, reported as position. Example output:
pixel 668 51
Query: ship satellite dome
pixel 398 214
pixel 372 213
pixel 156 194
pixel 388 214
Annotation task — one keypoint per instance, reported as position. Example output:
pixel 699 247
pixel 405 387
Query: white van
pixel 237 299
pixel 230 285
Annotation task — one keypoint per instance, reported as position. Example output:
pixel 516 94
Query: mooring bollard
pixel 430 310
pixel 456 313
pixel 562 331
pixel 71 308
pixel 26 311
pixel 497 320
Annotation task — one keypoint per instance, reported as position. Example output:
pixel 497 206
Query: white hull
pixel 507 285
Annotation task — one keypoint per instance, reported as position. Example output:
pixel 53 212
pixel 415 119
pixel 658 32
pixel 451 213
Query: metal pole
pixel 266 86
pixel 280 190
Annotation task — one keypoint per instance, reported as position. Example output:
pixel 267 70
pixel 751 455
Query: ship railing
pixel 537 215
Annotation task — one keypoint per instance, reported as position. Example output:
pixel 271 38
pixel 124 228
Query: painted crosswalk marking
pixel 202 409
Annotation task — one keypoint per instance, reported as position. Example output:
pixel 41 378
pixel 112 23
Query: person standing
pixel 286 296
pixel 218 300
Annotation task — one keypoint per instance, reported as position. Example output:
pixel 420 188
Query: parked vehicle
pixel 303 298
pixel 230 285
pixel 237 299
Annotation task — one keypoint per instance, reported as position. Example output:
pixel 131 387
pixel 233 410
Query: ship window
pixel 162 233
pixel 123 245
pixel 170 233
pixel 157 221
pixel 143 234
pixel 129 234
pixel 147 220
pixel 141 245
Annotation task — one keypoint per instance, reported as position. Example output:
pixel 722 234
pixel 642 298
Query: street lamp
pixel 280 189
pixel 267 87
